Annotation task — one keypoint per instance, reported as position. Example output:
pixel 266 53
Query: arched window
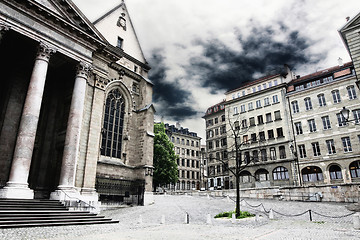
pixel 335 172
pixel 355 169
pixel 280 173
pixel 262 175
pixel 112 131
pixel 312 174
pixel 245 177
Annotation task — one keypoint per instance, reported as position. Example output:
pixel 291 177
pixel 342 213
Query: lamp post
pixel 293 151
pixel 346 114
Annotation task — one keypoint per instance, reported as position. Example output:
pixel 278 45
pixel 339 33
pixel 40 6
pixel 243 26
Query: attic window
pixel 120 42
pixel 121 23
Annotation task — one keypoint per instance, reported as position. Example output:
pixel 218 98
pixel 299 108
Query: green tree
pixel 165 166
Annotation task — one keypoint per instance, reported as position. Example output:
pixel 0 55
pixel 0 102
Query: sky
pixel 199 49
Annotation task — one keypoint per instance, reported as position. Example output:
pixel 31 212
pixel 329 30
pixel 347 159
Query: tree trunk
pixel 237 209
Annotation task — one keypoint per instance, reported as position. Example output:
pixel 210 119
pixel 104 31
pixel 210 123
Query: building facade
pixel 257 115
pixel 328 147
pixel 76 117
pixel 216 143
pixel 187 147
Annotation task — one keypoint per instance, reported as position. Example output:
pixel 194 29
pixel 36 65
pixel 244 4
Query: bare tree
pixel 236 132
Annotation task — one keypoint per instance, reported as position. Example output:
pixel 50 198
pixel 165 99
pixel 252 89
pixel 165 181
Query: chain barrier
pixel 290 215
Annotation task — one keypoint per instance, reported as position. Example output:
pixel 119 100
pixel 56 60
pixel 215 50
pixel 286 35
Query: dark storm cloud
pixel 172 97
pixel 261 55
pixel 221 68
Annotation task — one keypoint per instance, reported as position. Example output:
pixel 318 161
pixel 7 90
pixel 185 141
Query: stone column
pixel 72 139
pixel 17 186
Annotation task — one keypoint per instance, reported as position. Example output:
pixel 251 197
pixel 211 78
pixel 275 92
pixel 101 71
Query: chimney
pixel 340 62
pixel 297 76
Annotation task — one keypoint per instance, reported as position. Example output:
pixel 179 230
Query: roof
pixel 215 108
pixel 321 73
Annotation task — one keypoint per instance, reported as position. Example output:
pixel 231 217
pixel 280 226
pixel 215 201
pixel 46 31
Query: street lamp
pixel 346 114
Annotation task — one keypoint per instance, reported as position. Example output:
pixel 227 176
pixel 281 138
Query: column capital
pixel 4 27
pixel 83 69
pixel 44 51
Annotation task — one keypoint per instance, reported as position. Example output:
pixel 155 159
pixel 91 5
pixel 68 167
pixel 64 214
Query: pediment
pixel 64 14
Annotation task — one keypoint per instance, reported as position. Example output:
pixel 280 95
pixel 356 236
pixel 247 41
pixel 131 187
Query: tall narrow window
pixel 321 98
pixel 275 99
pixel 298 128
pixel 331 146
pixel 120 42
pixel 302 151
pixel 312 125
pixel 295 106
pixel 326 122
pixel 308 104
pixel 113 124
pixel 351 92
pixel 341 120
pixel 316 148
pixel 356 114
pixel 336 96
pixel 346 144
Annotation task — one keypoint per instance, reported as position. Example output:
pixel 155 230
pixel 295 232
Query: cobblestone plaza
pixel 166 220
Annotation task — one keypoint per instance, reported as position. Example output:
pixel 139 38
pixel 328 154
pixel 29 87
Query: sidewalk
pixel 145 222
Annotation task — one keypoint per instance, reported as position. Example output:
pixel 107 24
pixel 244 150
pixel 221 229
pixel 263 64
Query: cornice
pixel 127 72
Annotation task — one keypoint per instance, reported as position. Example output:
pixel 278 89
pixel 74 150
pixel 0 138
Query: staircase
pixel 15 213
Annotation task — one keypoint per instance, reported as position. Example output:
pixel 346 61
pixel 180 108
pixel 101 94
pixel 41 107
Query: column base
pixel 17 190
pixel 64 193
pixel 149 198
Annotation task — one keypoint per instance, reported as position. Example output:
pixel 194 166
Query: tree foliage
pixel 165 166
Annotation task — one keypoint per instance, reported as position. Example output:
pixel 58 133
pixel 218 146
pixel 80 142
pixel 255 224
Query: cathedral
pixel 76 113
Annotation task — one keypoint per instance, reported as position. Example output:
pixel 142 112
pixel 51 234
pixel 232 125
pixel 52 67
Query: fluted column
pixel 17 186
pixel 73 131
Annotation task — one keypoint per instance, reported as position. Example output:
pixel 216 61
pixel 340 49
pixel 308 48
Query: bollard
pixel 356 221
pixel 162 219
pixel 140 220
pixel 187 218
pixel 208 219
pixel 257 217
pixel 310 215
pixel 208 196
pixel 233 218
pixel 271 214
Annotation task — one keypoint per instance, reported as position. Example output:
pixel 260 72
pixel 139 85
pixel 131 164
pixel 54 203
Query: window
pixel 351 92
pixel 242 108
pixel 298 128
pixel 321 99
pixel 120 42
pixel 243 123
pixel 210 144
pixel 266 101
pixel 355 169
pixel 275 99
pixel 346 144
pixel 217 143
pixel 178 140
pixel 270 134
pixel 277 115
pixel 188 142
pixel 316 148
pixel 255 154
pixel 308 105
pixel 236 125
pixel 216 120
pixel 356 114
pixel 268 117
pixel 245 177
pixel 247 157
pixel 250 106
pixel 272 153
pixel 330 146
pixel 173 139
pixel 183 141
pixel 262 175
pixel 275 82
pixel 302 151
pixel 243 93
pixel 312 125
pixel 259 87
pixel 263 155
pixel 264 86
pixel 295 106
pixel 280 173
pixel 279 132
pixel 252 121
pixel 253 137
pixel 254 89
pixel 341 120
pixel 236 110
pixel 335 172
pixel 211 133
pixel 270 84
pixel 258 104
pixel 223 142
pixel 336 96
pixel 312 174
pixel 282 152
pixel 112 132
pixel 260 119
pixel 262 136
pixel 223 129
pixel 223 118
pixel 245 139
pixel 326 122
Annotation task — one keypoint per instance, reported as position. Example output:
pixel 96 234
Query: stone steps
pixel 16 213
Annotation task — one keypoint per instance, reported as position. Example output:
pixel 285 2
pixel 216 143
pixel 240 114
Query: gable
pixel 353 23
pixel 115 26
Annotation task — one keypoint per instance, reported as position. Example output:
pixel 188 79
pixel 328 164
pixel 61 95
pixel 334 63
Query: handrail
pixel 77 199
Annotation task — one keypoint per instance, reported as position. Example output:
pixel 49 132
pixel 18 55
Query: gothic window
pixel 113 124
